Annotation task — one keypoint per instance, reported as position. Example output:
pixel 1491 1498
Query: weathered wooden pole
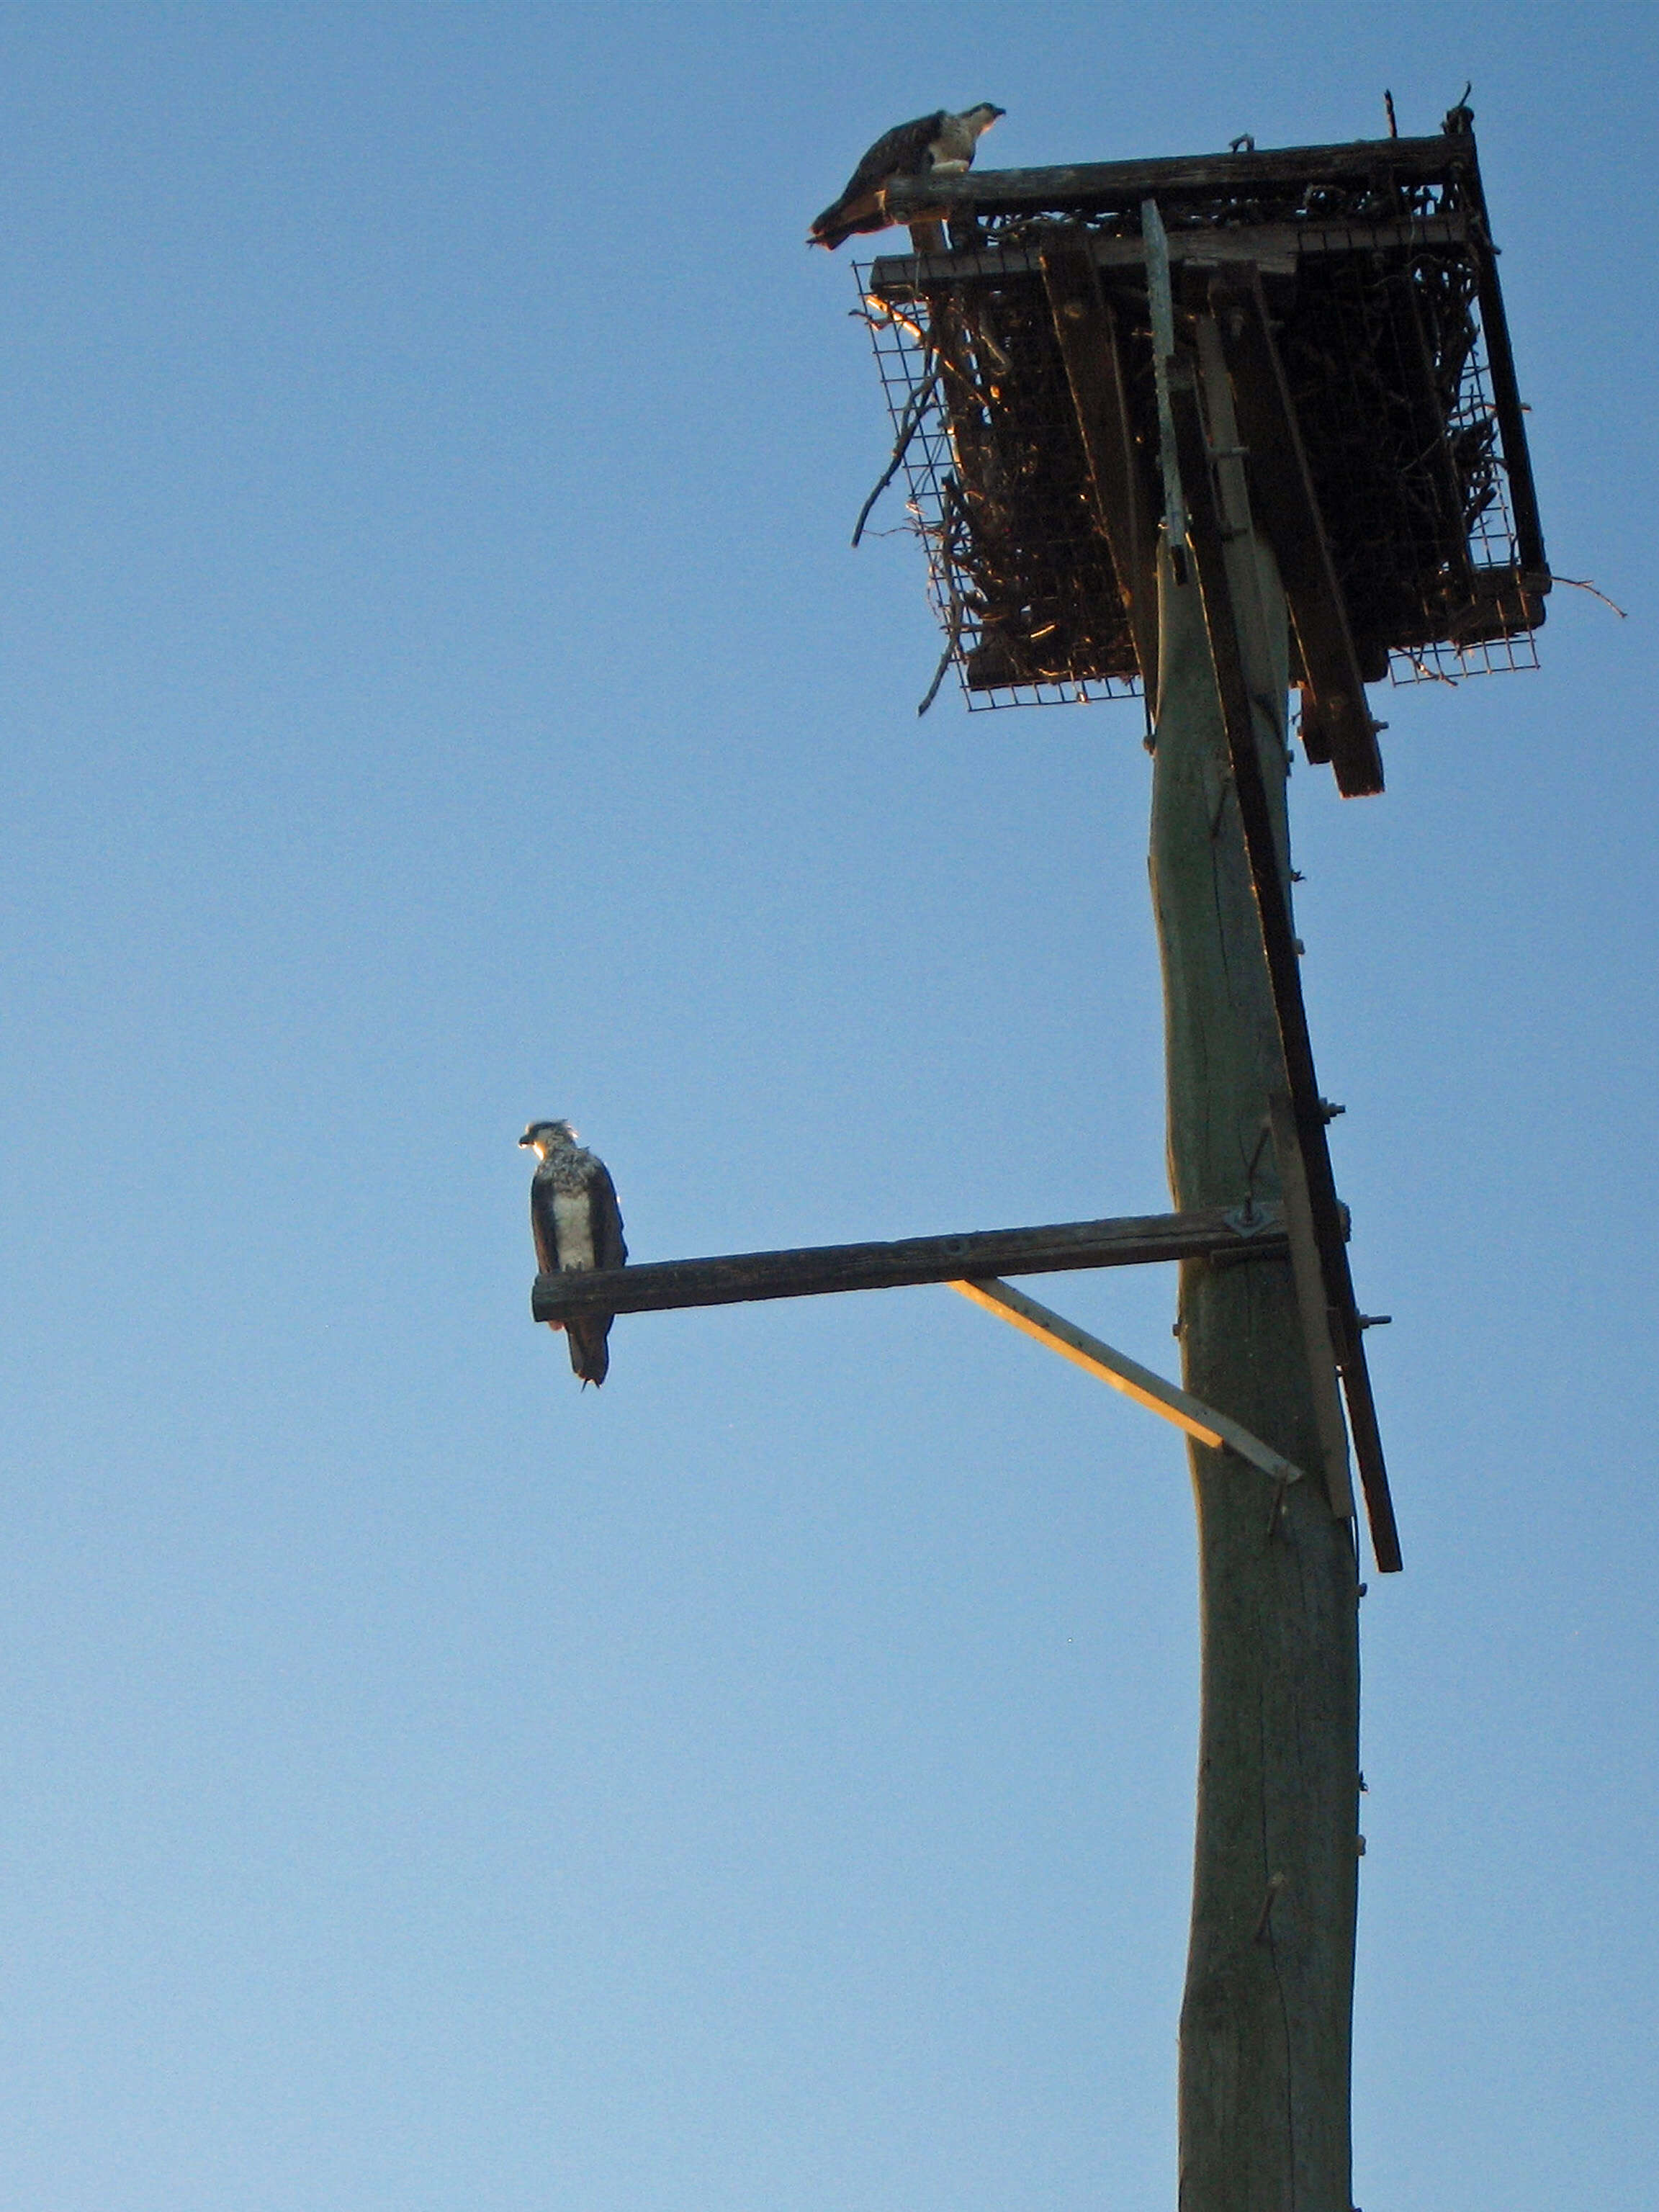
pixel 1266 2019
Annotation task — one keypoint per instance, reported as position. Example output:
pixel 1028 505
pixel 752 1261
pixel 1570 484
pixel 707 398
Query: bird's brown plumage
pixel 935 141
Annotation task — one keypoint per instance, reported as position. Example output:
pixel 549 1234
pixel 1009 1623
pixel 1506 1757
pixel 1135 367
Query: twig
pixel 956 516
pixel 952 639
pixel 886 312
pixel 907 430
pixel 1579 585
pixel 984 341
pixel 945 660
pixel 1431 675
pixel 919 334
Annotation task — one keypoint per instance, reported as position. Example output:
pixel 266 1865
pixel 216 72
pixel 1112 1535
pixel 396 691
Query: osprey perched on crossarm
pixel 576 1223
pixel 940 141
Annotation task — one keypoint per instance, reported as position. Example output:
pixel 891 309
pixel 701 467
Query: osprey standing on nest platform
pixel 940 141
pixel 576 1223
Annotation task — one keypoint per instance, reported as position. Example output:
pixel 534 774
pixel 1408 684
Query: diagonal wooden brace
pixel 1166 1400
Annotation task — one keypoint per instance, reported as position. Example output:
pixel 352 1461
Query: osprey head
pixel 541 1137
pixel 983 117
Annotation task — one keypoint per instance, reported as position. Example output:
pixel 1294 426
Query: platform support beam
pixel 1267 2018
pixel 1086 331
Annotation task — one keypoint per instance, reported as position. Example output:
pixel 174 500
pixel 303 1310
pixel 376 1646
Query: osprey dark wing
pixel 589 1339
pixel 904 151
pixel 542 1227
pixel 609 1250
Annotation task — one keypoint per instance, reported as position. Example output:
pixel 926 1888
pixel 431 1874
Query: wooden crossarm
pixel 1215 1233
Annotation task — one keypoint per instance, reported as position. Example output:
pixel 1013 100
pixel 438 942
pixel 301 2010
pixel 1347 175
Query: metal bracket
pixel 1249 1220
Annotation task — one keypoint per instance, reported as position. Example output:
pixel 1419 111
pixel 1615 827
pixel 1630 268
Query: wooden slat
pixel 1282 493
pixel 1310 1297
pixel 1087 336
pixel 1167 1400
pixel 1274 248
pixel 1212 1233
pixel 1279 945
pixel 1014 191
pixel 1315 743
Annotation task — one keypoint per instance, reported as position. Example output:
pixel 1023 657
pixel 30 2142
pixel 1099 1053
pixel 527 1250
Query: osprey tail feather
pixel 843 219
pixel 590 1353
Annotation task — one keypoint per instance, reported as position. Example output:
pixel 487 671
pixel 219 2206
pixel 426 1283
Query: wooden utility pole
pixel 1156 347
pixel 1084 483
pixel 1265 2023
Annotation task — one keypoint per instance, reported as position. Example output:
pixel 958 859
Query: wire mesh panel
pixel 1383 349
pixel 1018 575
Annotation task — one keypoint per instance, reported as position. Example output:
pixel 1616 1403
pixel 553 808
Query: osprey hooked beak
pixel 540 1132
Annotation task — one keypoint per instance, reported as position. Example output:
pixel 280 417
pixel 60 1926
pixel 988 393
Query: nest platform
pixel 1355 290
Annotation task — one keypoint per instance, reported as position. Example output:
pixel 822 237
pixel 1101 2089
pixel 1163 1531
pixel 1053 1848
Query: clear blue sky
pixel 437 690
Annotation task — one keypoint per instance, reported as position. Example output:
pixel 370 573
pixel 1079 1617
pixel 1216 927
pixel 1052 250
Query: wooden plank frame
pixel 1276 249
pixel 1279 943
pixel 1216 1233
pixel 1383 161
